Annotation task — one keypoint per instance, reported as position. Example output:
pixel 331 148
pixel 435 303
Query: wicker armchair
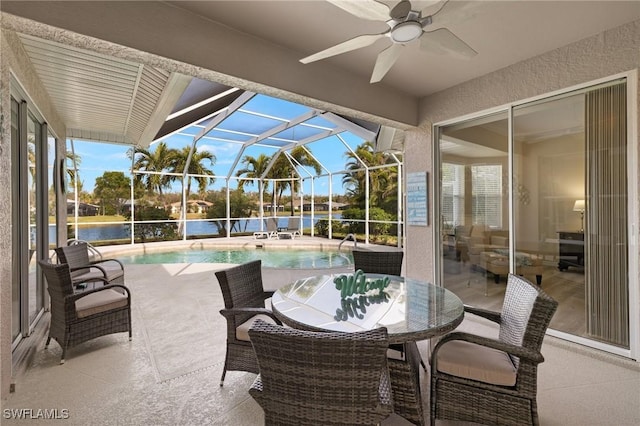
pixel 76 318
pixel 309 378
pixel 378 262
pixel 244 302
pixel 494 381
pixel 85 270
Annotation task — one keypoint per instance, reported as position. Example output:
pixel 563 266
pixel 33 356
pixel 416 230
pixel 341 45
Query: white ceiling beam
pixel 233 106
pixel 349 126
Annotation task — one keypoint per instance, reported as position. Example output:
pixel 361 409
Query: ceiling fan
pixel 405 26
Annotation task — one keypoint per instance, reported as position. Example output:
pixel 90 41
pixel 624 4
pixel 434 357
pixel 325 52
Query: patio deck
pixel 169 373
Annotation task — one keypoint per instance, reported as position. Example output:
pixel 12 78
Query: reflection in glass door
pixel 474 214
pixel 567 195
pixel 34 140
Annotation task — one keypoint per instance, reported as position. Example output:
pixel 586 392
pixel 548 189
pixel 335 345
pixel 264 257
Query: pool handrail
pixel 351 237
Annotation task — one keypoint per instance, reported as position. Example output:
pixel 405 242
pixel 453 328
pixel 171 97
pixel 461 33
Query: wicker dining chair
pixel 494 381
pixel 79 317
pixel 85 270
pixel 378 262
pixel 244 302
pixel 405 386
pixel 318 378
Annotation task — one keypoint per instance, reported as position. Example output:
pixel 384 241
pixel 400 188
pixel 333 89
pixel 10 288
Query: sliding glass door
pixel 560 217
pixel 31 203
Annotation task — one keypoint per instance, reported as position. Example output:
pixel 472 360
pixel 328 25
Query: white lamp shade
pixel 578 206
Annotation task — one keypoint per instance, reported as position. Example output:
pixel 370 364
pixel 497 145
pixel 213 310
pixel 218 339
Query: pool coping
pixel 316 243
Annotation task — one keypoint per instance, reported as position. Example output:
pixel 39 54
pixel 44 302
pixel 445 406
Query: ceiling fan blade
pixel 347 46
pixel 443 41
pixel 452 12
pixel 365 9
pixel 427 6
pixel 385 61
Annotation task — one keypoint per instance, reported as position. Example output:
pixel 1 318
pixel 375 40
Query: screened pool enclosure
pixel 223 161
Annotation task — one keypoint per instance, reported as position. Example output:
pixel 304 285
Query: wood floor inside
pixel 477 287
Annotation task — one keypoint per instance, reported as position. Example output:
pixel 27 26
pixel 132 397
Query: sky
pixel 256 116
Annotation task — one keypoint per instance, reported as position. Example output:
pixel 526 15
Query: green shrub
pixel 157 231
pixel 322 227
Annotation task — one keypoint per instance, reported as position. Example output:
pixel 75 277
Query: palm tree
pixel 156 161
pixel 179 159
pixel 283 169
pixel 383 189
pixel 73 164
pixel 254 169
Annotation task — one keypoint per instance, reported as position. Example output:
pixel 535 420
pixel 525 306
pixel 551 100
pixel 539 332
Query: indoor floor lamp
pixel 579 207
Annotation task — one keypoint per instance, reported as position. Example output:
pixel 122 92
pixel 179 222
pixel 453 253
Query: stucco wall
pixel 609 53
pixel 5 225
pixel 13 59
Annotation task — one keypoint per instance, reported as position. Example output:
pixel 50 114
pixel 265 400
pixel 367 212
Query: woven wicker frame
pixel 66 328
pixel 526 313
pixel 405 374
pixel 77 257
pixel 405 384
pixel 244 297
pixel 378 262
pixel 316 378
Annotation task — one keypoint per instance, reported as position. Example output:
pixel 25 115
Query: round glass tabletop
pixel 410 309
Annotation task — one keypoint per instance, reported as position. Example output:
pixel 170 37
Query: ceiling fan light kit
pixel 406 32
pixel 405 26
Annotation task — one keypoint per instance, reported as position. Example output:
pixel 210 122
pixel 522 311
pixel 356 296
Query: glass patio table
pixel 411 310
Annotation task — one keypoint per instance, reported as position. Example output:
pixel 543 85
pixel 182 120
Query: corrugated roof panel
pixel 149 90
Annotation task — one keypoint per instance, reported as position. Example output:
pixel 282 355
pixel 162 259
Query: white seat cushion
pixel 242 331
pixel 475 362
pixel 100 301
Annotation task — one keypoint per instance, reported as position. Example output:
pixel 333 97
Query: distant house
pixel 126 207
pixel 84 209
pixel 268 207
pixel 323 206
pixel 193 206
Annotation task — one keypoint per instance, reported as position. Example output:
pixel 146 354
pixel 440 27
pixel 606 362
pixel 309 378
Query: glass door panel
pixel 474 209
pixel 570 208
pixel 549 181
pixel 34 140
pixel 16 290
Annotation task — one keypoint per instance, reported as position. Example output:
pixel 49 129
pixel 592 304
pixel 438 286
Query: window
pixel 486 184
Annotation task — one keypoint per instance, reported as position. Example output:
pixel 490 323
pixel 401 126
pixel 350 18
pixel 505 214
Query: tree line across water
pixel 156 171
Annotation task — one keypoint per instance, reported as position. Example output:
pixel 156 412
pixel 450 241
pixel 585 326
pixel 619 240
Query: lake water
pixel 122 231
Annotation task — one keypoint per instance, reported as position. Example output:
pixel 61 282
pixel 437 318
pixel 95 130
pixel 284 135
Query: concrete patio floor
pixel 169 373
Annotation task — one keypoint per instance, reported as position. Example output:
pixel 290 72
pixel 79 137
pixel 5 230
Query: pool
pixel 271 258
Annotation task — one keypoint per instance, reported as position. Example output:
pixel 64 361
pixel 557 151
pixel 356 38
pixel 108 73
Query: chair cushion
pixel 475 362
pixel 242 331
pixel 100 301
pixel 470 324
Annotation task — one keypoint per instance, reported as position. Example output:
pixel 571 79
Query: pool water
pixel 292 259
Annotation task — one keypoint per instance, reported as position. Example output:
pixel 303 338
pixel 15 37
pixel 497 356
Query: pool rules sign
pixel 417 199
